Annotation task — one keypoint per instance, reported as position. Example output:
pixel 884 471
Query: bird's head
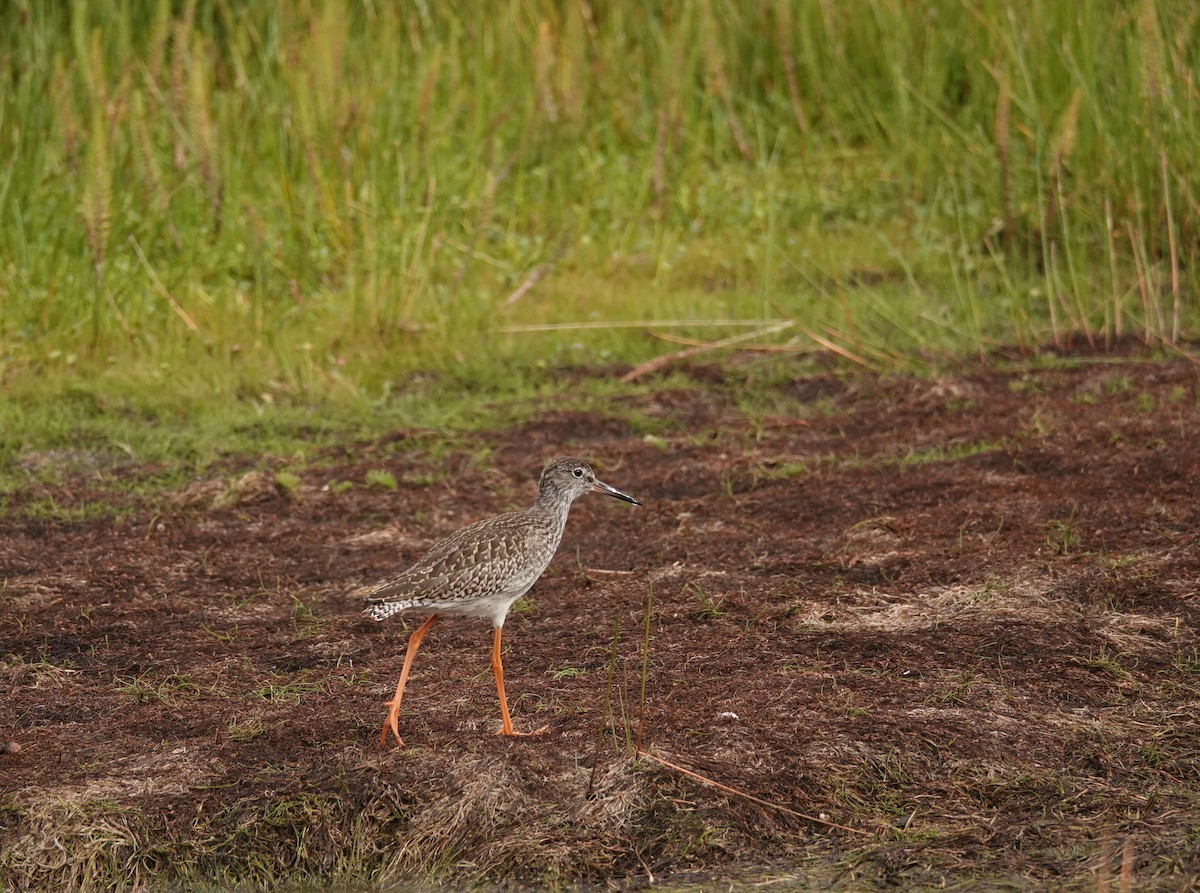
pixel 570 478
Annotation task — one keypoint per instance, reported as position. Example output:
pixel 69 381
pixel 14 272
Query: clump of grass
pixel 1187 660
pixel 780 469
pixel 287 482
pixel 709 606
pixel 381 479
pixel 243 731
pixel 949 453
pixel 955 691
pixel 1061 535
pixel 286 691
pixel 304 619
pixel 168 690
pixel 246 489
pixel 1106 661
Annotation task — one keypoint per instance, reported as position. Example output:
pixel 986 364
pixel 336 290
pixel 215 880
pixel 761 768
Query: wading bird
pixel 480 570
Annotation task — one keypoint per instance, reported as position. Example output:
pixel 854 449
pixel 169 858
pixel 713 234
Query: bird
pixel 480 570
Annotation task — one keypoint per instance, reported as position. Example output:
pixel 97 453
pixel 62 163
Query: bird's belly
pixel 493 606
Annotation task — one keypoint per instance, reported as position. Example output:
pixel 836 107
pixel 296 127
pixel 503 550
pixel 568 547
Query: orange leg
pixel 392 722
pixel 498 671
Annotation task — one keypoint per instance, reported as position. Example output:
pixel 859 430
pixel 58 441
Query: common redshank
pixel 480 570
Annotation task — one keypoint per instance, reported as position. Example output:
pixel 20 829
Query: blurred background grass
pixel 314 202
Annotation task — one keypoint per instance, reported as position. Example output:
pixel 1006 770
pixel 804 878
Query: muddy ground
pixel 957 615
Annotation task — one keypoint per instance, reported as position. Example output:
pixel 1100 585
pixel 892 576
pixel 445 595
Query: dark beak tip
pixel 607 490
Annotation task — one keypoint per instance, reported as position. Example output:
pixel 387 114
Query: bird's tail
pixel 384 610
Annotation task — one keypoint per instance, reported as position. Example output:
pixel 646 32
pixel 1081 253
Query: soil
pixel 956 616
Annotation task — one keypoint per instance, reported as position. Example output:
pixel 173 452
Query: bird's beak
pixel 601 487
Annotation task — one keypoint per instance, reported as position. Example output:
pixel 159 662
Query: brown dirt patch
pixel 958 614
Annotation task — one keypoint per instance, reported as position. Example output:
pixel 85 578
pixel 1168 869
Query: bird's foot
pixel 391 724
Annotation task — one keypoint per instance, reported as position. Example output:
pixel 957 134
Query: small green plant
pixel 1120 562
pixel 381 479
pixel 286 692
pixel 145 689
pixel 418 478
pixel 1038 425
pixel 780 469
pixel 216 634
pixel 1118 384
pixel 1061 536
pixel 287 482
pixel 951 453
pixel 1026 385
pixel 526 605
pixel 243 731
pixel 955 692
pixel 1187 660
pixel 304 620
pixel 1107 661
pixel 41 670
pixel 710 605
pixel 844 703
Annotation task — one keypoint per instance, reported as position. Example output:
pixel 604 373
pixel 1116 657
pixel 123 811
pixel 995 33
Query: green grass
pixel 99 428
pixel 241 215
pixel 292 692
pixel 381 479
pixel 949 453
pixel 144 689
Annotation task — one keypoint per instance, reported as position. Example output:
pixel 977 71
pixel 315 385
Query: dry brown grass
pixel 987 659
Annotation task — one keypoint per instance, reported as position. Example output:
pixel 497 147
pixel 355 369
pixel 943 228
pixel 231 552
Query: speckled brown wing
pixel 498 556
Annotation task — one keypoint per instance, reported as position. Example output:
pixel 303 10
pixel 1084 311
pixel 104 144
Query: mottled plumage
pixel 476 570
pixel 480 570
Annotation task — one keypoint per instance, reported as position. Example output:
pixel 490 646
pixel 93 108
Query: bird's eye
pixel 578 472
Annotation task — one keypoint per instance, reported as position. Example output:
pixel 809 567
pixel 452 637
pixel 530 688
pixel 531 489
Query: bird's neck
pixel 555 505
